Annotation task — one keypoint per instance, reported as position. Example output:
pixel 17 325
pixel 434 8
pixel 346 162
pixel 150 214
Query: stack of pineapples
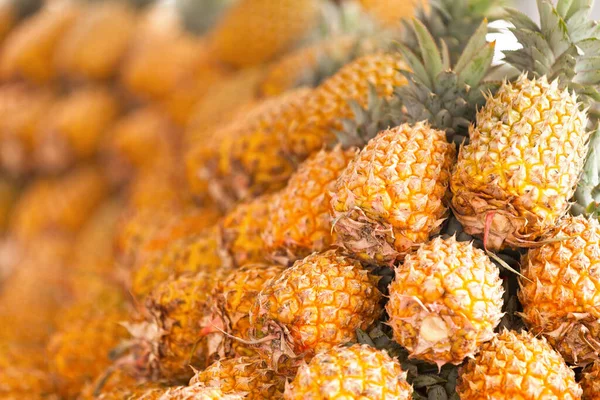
pixel 261 199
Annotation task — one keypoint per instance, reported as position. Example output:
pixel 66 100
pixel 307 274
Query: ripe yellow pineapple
pixel 241 231
pixel 97 42
pixel 196 392
pixel 74 127
pixel 517 366
pixel 513 181
pixel 23 372
pixel 242 375
pixel 176 337
pixel 392 197
pixel 300 221
pixel 445 301
pixel 391 12
pixel 21 109
pixel 358 371
pixel 32 295
pixel 252 32
pixel 28 52
pixel 193 253
pixel 590 382
pixel 234 297
pixel 61 204
pixel 313 306
pixel 559 289
pixel 81 351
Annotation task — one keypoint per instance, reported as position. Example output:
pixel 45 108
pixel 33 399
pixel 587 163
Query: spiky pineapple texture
pixel 513 180
pixel 176 335
pixel 560 289
pixel 517 365
pixel 248 375
pixel 300 221
pixel 196 392
pixel 392 196
pixel 358 371
pixel 315 305
pixel 445 301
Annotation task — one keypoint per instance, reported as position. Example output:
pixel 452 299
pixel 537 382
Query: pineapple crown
pixel 444 95
pixel 564 46
pixel 451 22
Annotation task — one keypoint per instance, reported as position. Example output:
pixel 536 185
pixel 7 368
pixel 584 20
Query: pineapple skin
pixel 243 375
pixel 61 204
pixel 392 196
pixel 559 289
pixel 590 382
pixel 358 371
pixel 197 392
pixel 300 221
pixel 234 297
pixel 389 13
pixel 255 31
pixel 74 127
pixel 28 51
pixel 173 339
pixel 517 365
pixel 81 351
pixel 513 181
pixel 97 42
pixel 345 295
pixel 445 301
pixel 191 254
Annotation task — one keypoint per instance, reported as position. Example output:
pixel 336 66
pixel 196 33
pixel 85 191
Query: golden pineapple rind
pixel 315 305
pixel 392 196
pixel 445 301
pixel 359 371
pixel 560 289
pixel 300 221
pixel 517 366
pixel 515 177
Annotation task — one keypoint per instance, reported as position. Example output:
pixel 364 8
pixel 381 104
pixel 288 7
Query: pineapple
pixel 300 222
pixel 28 52
pixel 21 109
pixel 58 204
pixel 358 371
pixel 23 373
pixel 139 141
pixel 242 375
pixel 196 392
pixel 391 12
pixel 97 42
pixel 225 166
pixel 8 197
pixel 234 297
pixel 241 231
pixel 252 32
pixel 445 301
pixel 81 351
pixel 559 289
pixel 590 382
pixel 392 196
pixel 32 295
pixel 512 182
pixel 175 337
pixel 189 254
pixel 74 127
pixel 313 306
pixel 517 365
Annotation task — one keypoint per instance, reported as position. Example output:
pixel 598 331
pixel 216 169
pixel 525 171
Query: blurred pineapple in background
pixel 390 12
pixel 12 12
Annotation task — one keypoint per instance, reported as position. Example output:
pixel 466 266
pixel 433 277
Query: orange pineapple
pixel 8 197
pixel 24 372
pixel 60 204
pixel 28 51
pixel 97 42
pixel 254 31
pixel 390 12
pixel 300 221
pixel 21 109
pixel 75 126
pixel 285 310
